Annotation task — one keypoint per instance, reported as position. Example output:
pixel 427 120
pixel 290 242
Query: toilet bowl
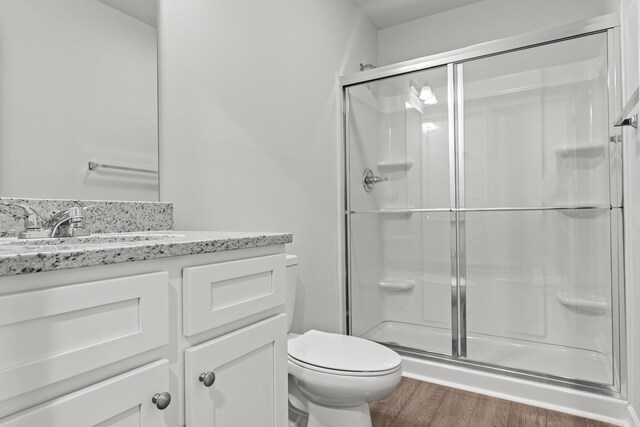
pixel 336 377
pixel 333 377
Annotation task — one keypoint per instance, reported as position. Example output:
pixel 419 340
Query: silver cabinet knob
pixel 207 378
pixel 161 400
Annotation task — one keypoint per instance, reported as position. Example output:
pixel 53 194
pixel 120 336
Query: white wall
pixel 78 83
pixel 480 22
pixel 249 130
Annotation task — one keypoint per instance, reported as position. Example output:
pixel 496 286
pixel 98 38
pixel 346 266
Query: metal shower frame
pixel 454 60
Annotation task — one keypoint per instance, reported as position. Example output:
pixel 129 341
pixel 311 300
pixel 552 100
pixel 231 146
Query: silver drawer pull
pixel 207 378
pixel 161 400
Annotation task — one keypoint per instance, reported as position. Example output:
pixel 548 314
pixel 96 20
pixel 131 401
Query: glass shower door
pixel 399 218
pixel 539 211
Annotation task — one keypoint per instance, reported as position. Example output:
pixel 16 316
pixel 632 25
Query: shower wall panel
pixel 536 127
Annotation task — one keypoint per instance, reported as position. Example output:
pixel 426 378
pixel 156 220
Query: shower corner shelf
pixel 396 213
pixel 592 151
pixel 589 303
pixel 392 285
pixel 386 166
pixel 584 213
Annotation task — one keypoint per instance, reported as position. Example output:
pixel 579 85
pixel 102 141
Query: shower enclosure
pixel 484 208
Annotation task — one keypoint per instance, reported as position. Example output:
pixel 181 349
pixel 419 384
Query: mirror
pixel 78 84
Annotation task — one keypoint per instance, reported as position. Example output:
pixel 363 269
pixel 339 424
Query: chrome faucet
pixel 36 228
pixel 74 217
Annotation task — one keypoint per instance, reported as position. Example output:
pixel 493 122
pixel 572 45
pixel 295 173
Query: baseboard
pixel 632 417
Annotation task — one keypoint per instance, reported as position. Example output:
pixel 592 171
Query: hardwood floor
pixel 417 404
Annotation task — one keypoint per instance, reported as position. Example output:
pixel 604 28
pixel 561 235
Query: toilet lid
pixel 342 352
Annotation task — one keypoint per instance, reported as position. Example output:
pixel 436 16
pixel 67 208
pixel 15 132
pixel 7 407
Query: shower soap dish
pixel 397 285
pixel 386 166
pixel 588 303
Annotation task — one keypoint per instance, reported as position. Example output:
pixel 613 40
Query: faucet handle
pixel 75 214
pixel 77 224
pixel 369 180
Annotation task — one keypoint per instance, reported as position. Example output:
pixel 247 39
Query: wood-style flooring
pixel 418 404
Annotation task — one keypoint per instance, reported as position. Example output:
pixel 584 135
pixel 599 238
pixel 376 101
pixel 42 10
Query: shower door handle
pixel 369 180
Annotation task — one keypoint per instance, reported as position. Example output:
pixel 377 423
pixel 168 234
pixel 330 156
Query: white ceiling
pixel 387 13
pixel 143 10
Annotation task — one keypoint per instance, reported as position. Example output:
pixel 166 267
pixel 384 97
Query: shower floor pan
pixel 565 362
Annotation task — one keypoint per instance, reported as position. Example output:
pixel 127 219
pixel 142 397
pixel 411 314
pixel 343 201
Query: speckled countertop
pixel 33 256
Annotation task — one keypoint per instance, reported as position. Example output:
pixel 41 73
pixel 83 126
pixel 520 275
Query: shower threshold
pixel 546 359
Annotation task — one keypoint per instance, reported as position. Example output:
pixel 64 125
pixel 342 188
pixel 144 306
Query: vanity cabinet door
pixel 244 378
pixel 123 401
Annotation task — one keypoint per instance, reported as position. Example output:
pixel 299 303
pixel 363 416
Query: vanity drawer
pixel 125 400
pixel 218 294
pixel 50 335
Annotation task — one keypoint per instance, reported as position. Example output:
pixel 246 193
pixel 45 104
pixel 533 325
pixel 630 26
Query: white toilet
pixel 333 377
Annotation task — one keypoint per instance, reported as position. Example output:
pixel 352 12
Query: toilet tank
pixel 292 279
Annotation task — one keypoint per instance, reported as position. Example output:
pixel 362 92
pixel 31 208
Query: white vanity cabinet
pixel 239 378
pixel 106 345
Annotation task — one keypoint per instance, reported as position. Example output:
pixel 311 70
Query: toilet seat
pixel 343 373
pixel 342 354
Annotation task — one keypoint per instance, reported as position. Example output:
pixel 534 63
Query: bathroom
pixel 282 169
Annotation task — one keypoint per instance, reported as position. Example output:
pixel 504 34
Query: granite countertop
pixel 33 256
